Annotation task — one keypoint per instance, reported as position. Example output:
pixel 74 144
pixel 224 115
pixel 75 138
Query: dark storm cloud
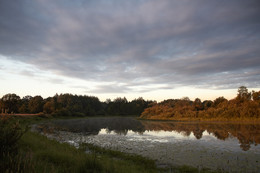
pixel 137 43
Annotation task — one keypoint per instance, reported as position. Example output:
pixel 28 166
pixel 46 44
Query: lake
pixel 231 147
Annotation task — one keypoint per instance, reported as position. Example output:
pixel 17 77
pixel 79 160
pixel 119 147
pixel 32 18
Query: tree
pixel 256 95
pixel 27 98
pixel 108 101
pixel 24 104
pixel 197 104
pixel 185 98
pixel 10 103
pixel 36 104
pixel 243 93
pixel 137 106
pixel 49 107
pixel 219 100
pixel 207 104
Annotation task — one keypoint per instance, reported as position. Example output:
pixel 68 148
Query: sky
pixel 140 48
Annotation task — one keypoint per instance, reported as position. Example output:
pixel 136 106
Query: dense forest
pixel 71 105
pixel 246 105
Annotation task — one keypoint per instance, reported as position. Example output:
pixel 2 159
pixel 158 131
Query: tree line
pixel 245 105
pixel 71 105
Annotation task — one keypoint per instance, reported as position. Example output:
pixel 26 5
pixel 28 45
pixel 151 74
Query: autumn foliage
pixel 245 106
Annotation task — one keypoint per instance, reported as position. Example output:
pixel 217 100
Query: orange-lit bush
pixel 220 108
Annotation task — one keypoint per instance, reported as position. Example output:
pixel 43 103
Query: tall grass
pixel 10 133
pixel 52 156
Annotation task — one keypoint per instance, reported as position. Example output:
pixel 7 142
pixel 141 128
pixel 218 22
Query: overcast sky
pixel 109 48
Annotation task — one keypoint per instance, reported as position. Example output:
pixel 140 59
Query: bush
pixel 61 112
pixel 10 133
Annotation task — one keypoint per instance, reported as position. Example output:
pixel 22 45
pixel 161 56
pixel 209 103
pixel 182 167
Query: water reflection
pixel 247 134
pixel 94 125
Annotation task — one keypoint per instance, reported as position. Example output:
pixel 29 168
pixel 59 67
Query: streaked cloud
pixel 27 73
pixel 136 45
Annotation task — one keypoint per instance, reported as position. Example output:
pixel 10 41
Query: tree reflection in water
pixel 247 134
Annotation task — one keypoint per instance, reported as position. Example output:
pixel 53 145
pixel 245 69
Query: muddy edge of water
pixel 191 153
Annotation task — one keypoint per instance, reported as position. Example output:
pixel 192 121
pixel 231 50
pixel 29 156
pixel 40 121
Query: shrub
pixel 10 133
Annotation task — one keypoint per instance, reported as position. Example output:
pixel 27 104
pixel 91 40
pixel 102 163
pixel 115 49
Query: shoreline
pixel 177 153
pixel 197 120
pixel 24 115
pixel 254 121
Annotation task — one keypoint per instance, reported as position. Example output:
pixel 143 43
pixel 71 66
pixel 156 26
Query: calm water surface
pixel 231 147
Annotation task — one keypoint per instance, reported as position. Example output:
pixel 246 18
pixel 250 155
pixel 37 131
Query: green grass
pixel 38 154
pixel 52 156
pixel 141 162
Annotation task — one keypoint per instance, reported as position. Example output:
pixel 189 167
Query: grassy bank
pixel 52 156
pixel 36 153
